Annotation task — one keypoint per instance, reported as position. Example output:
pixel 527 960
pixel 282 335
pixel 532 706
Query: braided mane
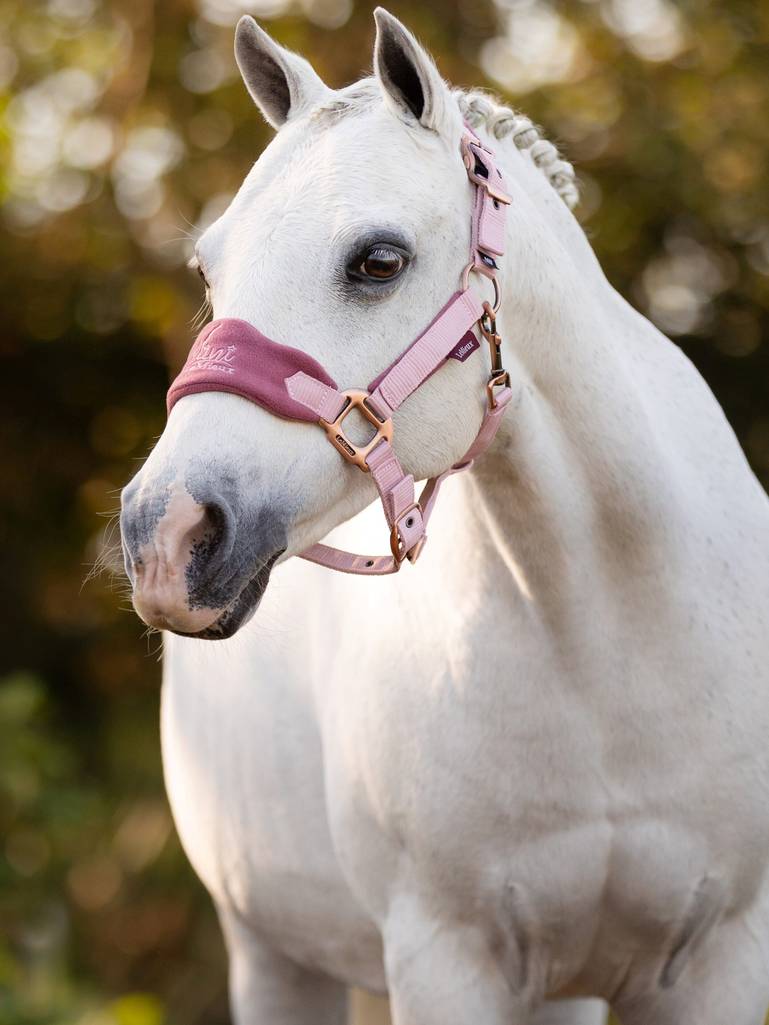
pixel 483 111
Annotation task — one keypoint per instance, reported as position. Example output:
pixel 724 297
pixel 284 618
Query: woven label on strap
pixel 465 347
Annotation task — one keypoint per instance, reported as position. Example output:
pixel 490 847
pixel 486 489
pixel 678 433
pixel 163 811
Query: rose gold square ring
pixel 357 454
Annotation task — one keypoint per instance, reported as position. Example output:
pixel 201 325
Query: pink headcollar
pixel 233 356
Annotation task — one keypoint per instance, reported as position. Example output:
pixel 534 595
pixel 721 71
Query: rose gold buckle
pixel 469 146
pixel 498 194
pixel 498 380
pixel 396 541
pixel 416 551
pixel 356 454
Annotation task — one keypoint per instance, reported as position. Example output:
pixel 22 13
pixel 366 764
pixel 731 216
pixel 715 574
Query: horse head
pixel 349 233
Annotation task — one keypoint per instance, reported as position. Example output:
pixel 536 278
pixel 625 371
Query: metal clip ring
pixel 472 266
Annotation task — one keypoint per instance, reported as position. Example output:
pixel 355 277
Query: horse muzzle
pixel 193 567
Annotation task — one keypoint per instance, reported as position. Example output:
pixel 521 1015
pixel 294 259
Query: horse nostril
pixel 212 528
pixel 179 541
pixel 216 519
pixel 212 541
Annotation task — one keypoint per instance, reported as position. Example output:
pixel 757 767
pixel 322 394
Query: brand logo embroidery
pixel 467 344
pixel 210 357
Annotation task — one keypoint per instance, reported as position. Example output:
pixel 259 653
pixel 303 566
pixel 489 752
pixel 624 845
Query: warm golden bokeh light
pixel 123 130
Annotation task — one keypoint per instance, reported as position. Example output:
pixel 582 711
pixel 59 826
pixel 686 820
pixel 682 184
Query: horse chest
pixel 435 755
pixel 471 768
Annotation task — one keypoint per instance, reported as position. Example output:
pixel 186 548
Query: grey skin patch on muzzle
pixel 243 608
pixel 230 567
pixel 138 521
pixel 227 567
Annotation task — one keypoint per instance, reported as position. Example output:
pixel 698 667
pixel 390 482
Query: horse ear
pixel 406 72
pixel 281 83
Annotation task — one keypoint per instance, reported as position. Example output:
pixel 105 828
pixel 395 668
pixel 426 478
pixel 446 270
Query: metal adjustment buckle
pixel 397 546
pixel 474 154
pixel 356 454
pixel 499 380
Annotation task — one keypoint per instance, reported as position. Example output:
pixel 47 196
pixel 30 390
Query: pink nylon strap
pixel 393 386
pixel 426 354
pixel 382 565
pixel 324 400
pixel 490 207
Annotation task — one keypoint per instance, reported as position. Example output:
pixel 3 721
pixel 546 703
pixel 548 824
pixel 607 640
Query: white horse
pixel 534 768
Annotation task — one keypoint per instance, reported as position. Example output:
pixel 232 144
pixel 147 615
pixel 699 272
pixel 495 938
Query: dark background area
pixel 122 127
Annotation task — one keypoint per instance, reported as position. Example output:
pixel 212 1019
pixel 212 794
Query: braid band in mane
pixel 482 111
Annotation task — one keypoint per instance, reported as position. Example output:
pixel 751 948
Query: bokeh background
pixel 123 128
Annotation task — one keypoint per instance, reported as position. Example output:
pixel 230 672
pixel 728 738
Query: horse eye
pixel 382 263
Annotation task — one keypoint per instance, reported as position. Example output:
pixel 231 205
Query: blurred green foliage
pixel 122 125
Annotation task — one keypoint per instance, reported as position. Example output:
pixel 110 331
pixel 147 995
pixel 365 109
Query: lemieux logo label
pixel 205 356
pixel 466 345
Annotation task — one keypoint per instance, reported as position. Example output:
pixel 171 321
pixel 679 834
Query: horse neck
pixel 577 489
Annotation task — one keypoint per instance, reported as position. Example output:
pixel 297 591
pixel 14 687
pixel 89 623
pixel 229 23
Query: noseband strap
pixel 233 356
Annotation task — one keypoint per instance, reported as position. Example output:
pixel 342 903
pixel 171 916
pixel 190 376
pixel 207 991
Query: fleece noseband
pixel 233 356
